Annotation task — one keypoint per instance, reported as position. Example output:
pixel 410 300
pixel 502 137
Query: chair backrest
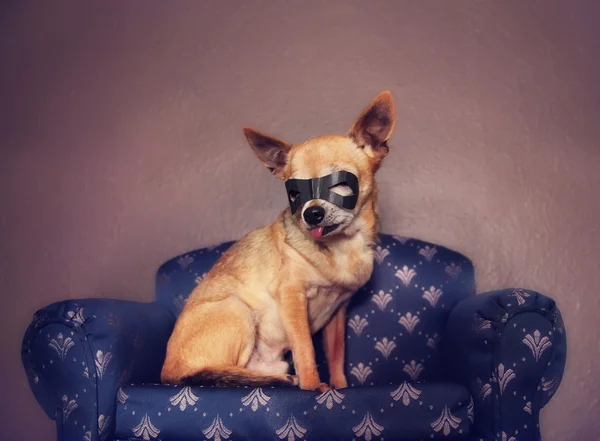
pixel 395 322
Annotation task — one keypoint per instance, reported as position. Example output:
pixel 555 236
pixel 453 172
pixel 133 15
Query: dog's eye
pixel 293 195
pixel 342 189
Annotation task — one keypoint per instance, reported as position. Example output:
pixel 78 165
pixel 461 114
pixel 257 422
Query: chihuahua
pixel 280 284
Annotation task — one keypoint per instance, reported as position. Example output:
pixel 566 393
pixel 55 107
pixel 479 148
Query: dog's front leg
pixel 334 342
pixel 295 318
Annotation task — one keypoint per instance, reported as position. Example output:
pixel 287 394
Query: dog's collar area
pixel 300 191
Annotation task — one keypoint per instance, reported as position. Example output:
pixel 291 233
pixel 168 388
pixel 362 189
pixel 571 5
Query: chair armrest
pixel 78 353
pixel 509 348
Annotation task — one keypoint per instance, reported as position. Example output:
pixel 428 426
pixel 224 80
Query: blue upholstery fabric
pixel 425 359
pixel 509 347
pixel 78 353
pixel 398 412
pixel 396 321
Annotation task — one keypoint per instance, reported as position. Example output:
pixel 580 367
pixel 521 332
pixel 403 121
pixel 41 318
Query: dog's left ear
pixel 272 152
pixel 374 127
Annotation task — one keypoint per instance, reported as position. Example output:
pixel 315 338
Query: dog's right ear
pixel 272 152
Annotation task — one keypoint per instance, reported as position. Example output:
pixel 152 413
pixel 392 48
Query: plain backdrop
pixel 121 146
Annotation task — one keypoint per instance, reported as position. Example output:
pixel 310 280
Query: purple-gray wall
pixel 121 145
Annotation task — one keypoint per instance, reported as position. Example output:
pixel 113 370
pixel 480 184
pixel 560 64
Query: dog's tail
pixel 235 376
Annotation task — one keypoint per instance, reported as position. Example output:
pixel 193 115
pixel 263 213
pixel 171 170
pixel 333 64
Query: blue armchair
pixel 426 358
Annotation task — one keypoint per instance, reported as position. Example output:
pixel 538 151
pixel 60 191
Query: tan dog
pixel 278 285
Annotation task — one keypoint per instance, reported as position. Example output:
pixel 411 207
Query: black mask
pixel 304 190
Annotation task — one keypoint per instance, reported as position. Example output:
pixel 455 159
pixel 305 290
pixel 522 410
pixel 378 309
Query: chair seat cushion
pixel 406 411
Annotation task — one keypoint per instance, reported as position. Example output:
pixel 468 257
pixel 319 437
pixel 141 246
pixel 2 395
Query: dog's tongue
pixel 317 232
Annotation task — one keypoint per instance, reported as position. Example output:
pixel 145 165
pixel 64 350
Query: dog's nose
pixel 314 215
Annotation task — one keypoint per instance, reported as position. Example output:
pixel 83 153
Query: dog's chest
pixel 323 302
pixel 353 261
pixel 353 267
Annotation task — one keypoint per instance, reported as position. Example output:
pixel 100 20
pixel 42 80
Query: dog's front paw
pixel 323 387
pixel 313 384
pixel 338 382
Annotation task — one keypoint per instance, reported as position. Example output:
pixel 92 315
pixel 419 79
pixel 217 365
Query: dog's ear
pixel 272 152
pixel 374 127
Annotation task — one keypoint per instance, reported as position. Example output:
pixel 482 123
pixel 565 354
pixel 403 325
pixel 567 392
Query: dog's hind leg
pixel 211 346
